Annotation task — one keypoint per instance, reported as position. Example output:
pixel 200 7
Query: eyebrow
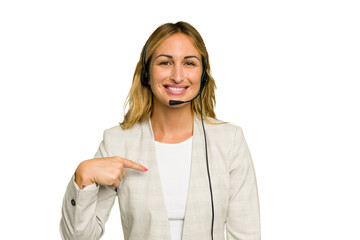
pixel 169 56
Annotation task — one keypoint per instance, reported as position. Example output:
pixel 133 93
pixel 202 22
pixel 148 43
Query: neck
pixel 172 122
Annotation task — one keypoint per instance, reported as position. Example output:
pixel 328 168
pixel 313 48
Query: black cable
pixel 207 164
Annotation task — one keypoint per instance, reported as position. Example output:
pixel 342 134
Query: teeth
pixel 175 89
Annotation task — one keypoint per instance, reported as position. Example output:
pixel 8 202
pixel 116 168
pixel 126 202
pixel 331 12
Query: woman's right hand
pixel 104 171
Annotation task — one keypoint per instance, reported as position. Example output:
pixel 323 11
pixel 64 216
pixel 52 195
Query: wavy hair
pixel 140 97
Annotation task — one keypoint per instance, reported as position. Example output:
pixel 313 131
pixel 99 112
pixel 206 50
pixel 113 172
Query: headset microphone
pixel 175 102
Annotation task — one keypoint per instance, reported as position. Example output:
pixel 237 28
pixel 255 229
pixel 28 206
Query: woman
pixel 200 173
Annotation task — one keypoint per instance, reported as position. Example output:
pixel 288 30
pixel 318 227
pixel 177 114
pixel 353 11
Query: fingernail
pixel 145 169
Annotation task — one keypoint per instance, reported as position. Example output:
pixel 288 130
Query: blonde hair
pixel 140 97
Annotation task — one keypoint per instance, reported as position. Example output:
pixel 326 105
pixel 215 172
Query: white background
pixel 287 72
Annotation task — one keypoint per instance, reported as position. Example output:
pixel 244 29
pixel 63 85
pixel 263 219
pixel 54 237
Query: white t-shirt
pixel 174 161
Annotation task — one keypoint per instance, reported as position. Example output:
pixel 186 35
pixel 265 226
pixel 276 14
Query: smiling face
pixel 175 70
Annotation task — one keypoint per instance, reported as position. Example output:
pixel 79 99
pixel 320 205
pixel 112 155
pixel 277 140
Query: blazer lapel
pixel 198 205
pixel 197 220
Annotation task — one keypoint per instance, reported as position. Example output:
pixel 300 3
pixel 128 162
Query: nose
pixel 177 73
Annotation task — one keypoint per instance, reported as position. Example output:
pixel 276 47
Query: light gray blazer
pixel 140 195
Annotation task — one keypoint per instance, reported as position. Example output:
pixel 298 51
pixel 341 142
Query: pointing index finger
pixel 134 165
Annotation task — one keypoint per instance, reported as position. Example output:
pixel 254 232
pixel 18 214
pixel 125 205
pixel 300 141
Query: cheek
pixel 159 75
pixel 194 75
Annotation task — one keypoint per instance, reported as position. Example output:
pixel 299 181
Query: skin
pixel 171 124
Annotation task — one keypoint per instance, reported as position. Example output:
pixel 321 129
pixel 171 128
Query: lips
pixel 175 89
pixel 175 86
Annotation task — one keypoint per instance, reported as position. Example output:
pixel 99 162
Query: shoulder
pixel 217 125
pixel 224 133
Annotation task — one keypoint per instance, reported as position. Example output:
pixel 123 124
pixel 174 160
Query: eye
pixel 164 63
pixel 190 63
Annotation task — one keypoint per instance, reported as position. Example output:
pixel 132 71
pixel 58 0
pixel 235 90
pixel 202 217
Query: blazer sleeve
pixel 84 213
pixel 243 217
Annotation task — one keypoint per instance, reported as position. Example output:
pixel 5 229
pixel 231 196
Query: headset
pixel 204 80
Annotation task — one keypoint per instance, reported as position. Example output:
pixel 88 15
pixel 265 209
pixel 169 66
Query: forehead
pixel 177 44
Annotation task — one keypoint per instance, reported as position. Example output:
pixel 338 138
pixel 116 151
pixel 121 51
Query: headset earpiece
pixel 144 77
pixel 204 76
pixel 144 73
